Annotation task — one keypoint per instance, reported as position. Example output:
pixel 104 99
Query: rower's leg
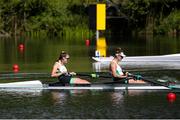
pixel 136 81
pixel 80 81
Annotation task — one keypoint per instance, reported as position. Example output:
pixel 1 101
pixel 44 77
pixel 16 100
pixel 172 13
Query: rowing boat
pixel 37 85
pixel 160 58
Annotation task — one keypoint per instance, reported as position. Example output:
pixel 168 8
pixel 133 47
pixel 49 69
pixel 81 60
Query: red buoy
pixel 21 46
pixel 15 68
pixel 171 97
pixel 87 42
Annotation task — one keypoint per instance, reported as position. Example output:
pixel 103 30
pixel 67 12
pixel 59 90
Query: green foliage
pixel 173 20
pixel 161 29
pixel 1 24
pixel 36 15
pixel 55 16
pixel 143 13
pixel 170 23
pixel 137 11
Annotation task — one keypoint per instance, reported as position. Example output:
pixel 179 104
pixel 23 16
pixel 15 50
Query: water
pixel 38 56
pixel 88 104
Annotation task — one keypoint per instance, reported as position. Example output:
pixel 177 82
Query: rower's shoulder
pixel 112 62
pixel 57 64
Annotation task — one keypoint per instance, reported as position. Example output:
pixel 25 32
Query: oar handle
pixel 93 75
pixel 136 77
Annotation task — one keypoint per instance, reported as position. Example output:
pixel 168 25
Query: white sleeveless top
pixel 61 68
pixel 119 70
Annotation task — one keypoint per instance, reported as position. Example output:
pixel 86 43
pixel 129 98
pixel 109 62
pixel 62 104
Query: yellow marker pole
pixel 101 17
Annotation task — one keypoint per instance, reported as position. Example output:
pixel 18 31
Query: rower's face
pixel 65 59
pixel 119 57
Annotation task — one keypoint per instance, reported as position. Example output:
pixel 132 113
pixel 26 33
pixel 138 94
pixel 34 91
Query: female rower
pixel 117 71
pixel 59 70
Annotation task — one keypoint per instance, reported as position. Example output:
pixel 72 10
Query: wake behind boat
pixel 160 58
pixel 37 85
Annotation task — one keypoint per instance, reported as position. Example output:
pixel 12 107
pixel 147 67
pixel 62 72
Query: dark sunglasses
pixel 119 55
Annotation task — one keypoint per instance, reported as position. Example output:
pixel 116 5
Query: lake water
pixel 37 57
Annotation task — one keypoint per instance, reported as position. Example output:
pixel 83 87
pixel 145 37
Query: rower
pixel 117 71
pixel 60 71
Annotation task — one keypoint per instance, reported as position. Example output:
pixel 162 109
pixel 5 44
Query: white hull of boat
pixel 106 87
pixel 37 85
pixel 24 84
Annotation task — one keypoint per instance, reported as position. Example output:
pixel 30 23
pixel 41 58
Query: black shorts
pixel 120 80
pixel 65 79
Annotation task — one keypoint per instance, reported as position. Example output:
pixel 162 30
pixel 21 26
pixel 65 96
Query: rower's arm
pixel 113 70
pixel 54 71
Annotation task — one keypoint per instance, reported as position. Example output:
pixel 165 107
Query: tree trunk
pixel 149 24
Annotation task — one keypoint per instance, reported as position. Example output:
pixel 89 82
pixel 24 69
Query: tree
pixel 173 21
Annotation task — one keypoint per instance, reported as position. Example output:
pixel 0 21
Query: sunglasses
pixel 120 56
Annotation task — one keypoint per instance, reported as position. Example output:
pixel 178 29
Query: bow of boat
pixel 23 84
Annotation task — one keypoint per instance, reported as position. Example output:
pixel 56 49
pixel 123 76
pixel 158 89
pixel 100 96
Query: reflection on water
pixel 59 97
pixel 117 97
pixel 87 104
pixel 21 92
pixel 101 47
pixel 39 55
pixel 145 45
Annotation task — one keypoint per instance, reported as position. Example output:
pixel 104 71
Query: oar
pixel 139 77
pixel 130 76
pixel 164 83
pixel 93 75
pixel 97 75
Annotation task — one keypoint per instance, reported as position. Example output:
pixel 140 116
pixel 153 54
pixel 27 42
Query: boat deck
pixel 37 85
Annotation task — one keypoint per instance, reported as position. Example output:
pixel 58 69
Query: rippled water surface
pixel 38 56
pixel 88 104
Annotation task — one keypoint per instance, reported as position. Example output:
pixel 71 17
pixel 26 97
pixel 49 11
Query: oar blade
pixel 175 86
